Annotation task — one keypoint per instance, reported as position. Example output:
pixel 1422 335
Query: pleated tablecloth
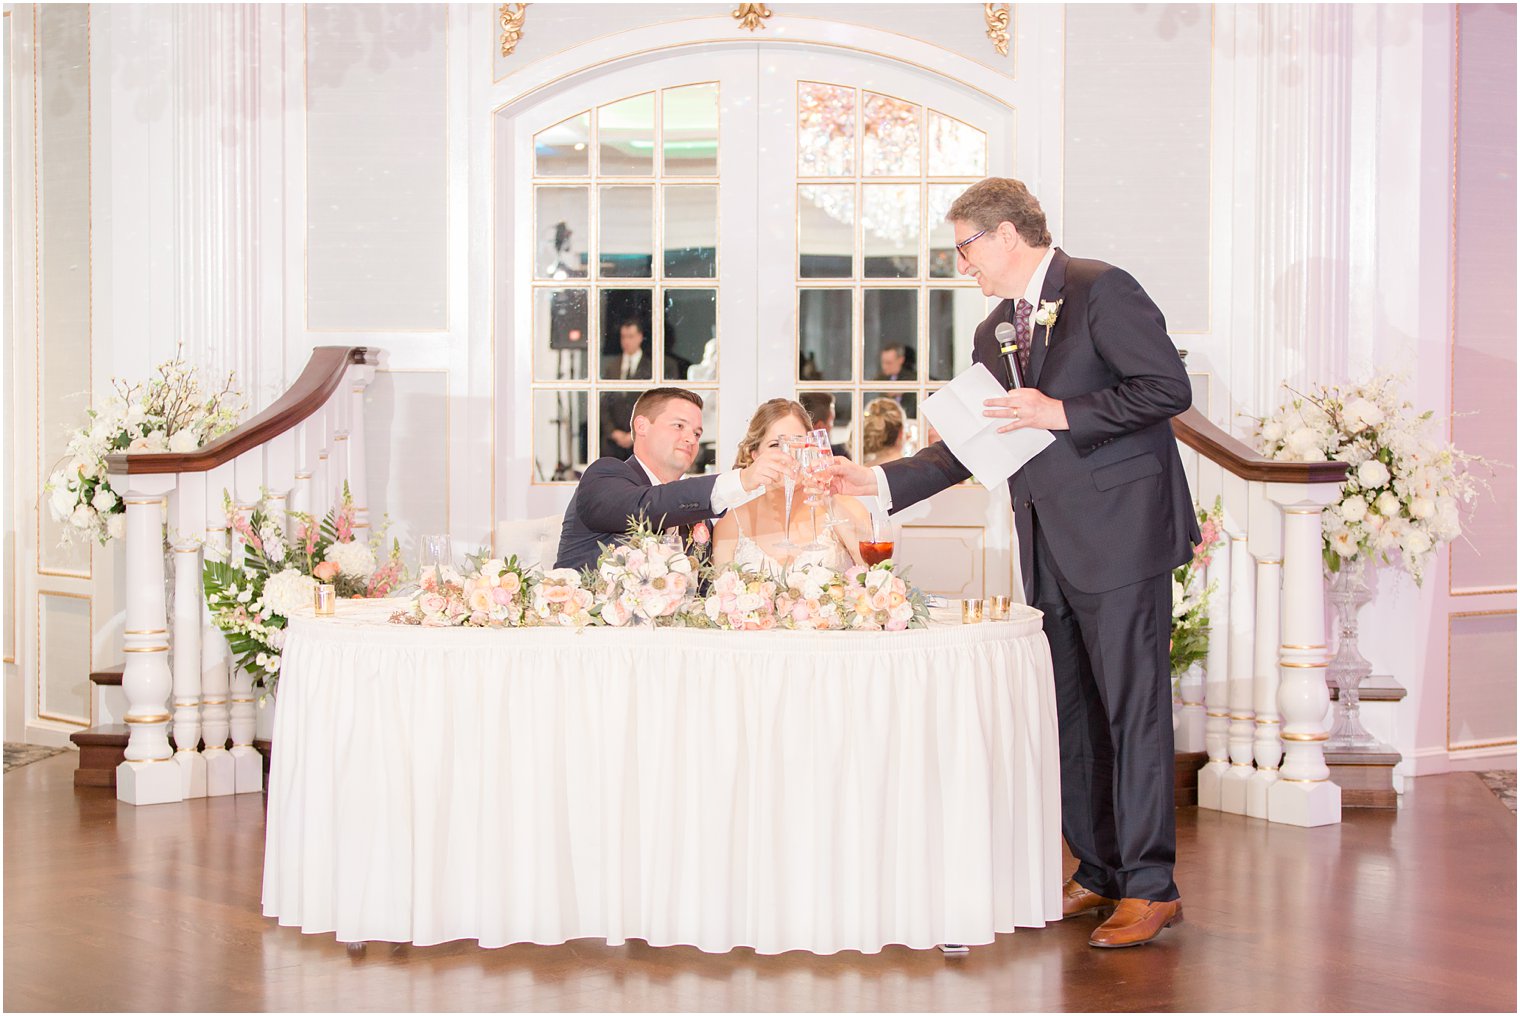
pixel 779 790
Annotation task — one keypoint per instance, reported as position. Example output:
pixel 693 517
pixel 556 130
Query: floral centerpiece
pixel 741 600
pixel 494 594
pixel 559 598
pixel 1404 492
pixel 647 579
pixel 174 411
pixel 878 599
pixel 251 602
pixel 1190 595
pixel 812 598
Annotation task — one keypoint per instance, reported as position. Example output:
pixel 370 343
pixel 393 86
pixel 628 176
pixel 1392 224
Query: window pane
pixel 889 225
pixel 560 330
pixel 890 137
pixel 626 350
pixel 941 234
pixel 560 422
pixel 562 150
pixel 825 130
pixel 691 334
pixel 825 231
pixel 886 425
pixel 708 452
pixel 841 427
pixel 953 317
pixel 691 130
pixel 691 232
pixel 627 232
pixel 561 231
pixel 625 136
pixel 955 148
pixel 614 427
pixel 891 334
pixel 824 333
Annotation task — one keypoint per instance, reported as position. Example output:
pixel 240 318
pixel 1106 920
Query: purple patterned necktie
pixel 1021 312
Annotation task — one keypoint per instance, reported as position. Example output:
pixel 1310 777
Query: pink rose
pixel 700 534
pixel 325 572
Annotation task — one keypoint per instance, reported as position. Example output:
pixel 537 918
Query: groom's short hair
pixel 988 203
pixel 652 401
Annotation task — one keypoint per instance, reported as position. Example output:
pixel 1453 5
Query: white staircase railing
pixel 302 450
pixel 1261 711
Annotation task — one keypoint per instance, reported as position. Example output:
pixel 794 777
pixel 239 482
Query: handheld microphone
pixel 1008 345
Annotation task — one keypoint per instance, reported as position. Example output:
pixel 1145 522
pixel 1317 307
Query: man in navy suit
pixel 1103 515
pixel 667 428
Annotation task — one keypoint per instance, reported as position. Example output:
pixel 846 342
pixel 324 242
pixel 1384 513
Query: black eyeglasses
pixel 960 248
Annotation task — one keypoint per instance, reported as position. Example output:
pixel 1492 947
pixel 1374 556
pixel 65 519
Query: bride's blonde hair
pixel 765 416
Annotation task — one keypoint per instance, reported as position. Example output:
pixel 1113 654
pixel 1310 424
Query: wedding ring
pixel 1015 416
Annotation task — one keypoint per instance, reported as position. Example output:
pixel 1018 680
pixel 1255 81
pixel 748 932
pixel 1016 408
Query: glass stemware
pixel 808 461
pixel 825 448
pixel 790 444
pixel 435 553
pixel 882 542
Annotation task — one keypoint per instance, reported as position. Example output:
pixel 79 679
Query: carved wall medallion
pixel 511 26
pixel 751 16
pixel 997 26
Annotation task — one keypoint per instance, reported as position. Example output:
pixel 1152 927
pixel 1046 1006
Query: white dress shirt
pixel 1031 293
pixel 631 363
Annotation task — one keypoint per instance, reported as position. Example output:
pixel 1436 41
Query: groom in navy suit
pixel 1103 515
pixel 667 429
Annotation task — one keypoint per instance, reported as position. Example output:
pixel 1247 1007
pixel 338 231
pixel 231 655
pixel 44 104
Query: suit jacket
pixel 612 492
pixel 612 367
pixel 1110 494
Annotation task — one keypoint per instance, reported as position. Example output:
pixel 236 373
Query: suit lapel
pixel 1055 281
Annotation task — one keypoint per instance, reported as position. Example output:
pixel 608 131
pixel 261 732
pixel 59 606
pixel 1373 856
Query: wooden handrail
pixel 1200 433
pixel 321 377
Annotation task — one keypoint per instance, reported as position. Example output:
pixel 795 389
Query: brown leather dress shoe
pixel 1136 922
pixel 1077 899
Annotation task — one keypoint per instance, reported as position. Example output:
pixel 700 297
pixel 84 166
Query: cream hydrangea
pixel 288 590
pixel 353 559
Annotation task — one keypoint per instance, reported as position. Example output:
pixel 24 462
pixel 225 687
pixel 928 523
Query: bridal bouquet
pixel 493 595
pixel 1404 491
pixel 645 580
pixel 878 599
pixel 558 598
pixel 1190 594
pixel 812 598
pixel 172 412
pixel 741 600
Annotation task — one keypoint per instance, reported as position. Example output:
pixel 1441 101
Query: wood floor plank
pixel 109 907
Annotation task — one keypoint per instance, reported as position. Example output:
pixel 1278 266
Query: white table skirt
pixel 780 790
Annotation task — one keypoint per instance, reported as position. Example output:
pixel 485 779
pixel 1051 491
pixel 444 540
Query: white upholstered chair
pixel 534 541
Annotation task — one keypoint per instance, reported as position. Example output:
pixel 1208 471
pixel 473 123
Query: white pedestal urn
pixel 1348 590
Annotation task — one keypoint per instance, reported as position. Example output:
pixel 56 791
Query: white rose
pixel 1354 509
pixel 104 500
pixel 1361 414
pixel 1343 544
pixel 1272 430
pixel 1387 503
pixel 1416 542
pixel 1302 440
pixel 83 517
pixel 116 526
pixel 1372 473
pixel 62 501
pixel 184 441
pixel 1421 508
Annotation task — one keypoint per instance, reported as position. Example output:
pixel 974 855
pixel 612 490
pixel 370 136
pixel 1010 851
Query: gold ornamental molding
pixel 998 16
pixel 751 16
pixel 511 17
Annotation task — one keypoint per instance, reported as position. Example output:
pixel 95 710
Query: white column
pixel 188 528
pixel 357 379
pixel 1241 621
pixel 216 662
pixel 1303 794
pixel 1217 677
pixel 148 775
pixel 1267 746
pixel 247 763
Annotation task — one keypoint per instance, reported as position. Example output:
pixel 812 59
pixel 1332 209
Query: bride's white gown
pixel 750 556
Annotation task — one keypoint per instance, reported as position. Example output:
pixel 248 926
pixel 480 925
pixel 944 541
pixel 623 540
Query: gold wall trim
pixel 42 662
pixel 511 17
pixel 998 17
pixel 1450 617
pixel 751 16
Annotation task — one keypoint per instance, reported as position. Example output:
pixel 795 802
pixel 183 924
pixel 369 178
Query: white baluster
pixel 216 656
pixel 147 776
pixel 1191 726
pixel 1216 734
pixel 1242 716
pixel 359 377
pixel 247 763
pixel 188 526
pixel 1268 742
pixel 339 461
pixel 1303 794
pixel 300 491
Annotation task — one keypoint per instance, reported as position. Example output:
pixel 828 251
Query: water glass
pixel 435 552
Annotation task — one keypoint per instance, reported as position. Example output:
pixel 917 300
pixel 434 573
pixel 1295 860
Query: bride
pixel 750 534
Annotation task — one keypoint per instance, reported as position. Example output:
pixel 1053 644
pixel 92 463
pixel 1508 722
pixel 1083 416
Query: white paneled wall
pixel 408 474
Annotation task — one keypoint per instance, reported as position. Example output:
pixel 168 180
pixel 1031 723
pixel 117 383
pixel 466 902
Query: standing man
pixel 1103 515
pixel 667 429
pixel 631 364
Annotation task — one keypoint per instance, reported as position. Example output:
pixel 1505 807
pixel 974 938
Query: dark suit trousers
pixel 1114 712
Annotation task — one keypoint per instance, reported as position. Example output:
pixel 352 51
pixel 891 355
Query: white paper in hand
pixel 956 412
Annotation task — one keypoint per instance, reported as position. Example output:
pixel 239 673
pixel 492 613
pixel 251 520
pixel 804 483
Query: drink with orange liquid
pixel 875 552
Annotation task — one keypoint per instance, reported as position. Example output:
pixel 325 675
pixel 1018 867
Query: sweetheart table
pixel 777 790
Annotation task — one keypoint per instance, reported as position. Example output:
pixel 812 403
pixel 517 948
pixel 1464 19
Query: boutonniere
pixel 700 534
pixel 1046 315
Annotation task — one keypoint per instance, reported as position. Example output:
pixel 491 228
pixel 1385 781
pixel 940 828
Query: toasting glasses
pixel 820 439
pixel 791 444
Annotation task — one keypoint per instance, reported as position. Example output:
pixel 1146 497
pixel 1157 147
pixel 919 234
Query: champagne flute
pixel 808 461
pixel 789 443
pixel 825 459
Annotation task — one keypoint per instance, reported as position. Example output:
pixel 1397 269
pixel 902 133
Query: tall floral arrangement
pixel 173 411
pixel 1405 492
pixel 1191 593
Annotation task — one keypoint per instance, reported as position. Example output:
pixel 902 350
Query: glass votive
pixel 326 599
pixel 971 611
pixel 998 606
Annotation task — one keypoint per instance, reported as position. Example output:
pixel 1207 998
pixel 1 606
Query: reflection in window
pixel 690 130
pixel 691 334
pixel 824 333
pixel 953 317
pixel 825 231
pixel 691 232
pixel 625 136
pixel 627 352
pixel 889 224
pixel 560 422
pixel 941 233
pixel 615 411
pixel 562 150
pixel 825 129
pixel 891 334
pixel 560 331
pixel 561 218
pixel 627 232
pixel 889 137
pixel 835 411
pixel 955 148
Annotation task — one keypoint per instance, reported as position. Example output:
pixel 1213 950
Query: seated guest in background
pixel 895 365
pixel 634 363
pixel 820 408
pixel 753 532
pixel 667 431
pixel 616 421
pixel 882 432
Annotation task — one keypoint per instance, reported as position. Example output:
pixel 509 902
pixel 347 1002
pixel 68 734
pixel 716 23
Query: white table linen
pixel 779 790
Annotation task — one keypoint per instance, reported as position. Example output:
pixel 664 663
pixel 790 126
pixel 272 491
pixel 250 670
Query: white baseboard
pixel 1434 761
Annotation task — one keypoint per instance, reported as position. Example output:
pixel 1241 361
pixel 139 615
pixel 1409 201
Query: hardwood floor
pixel 109 907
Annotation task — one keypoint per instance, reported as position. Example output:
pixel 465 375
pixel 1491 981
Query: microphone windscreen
pixel 1004 334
